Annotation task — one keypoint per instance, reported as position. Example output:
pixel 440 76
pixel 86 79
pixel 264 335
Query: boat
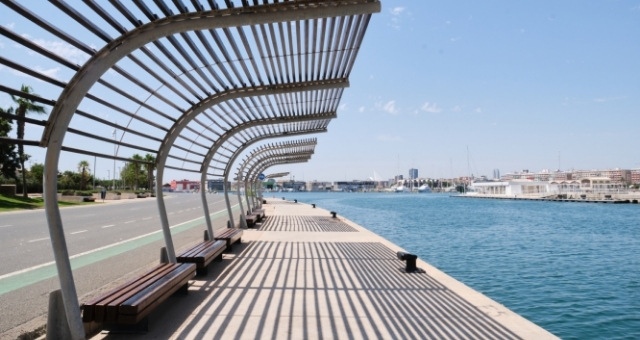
pixel 400 188
pixel 424 189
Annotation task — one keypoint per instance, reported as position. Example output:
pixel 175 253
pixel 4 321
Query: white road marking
pixel 38 240
pixel 108 226
pixel 26 270
pixel 79 232
pixel 129 222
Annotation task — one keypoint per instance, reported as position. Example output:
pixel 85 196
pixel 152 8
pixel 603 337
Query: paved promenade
pixel 305 275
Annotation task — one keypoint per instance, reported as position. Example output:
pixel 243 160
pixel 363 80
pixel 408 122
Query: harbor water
pixel 572 268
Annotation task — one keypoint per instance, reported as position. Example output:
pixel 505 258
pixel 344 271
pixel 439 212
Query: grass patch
pixel 8 203
pixel 12 203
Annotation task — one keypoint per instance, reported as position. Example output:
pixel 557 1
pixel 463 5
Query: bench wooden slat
pixel 101 306
pixel 138 296
pixel 111 308
pixel 140 305
pixel 94 309
pixel 202 254
pixel 230 235
pixel 200 251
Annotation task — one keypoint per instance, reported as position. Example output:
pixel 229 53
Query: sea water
pixel 571 268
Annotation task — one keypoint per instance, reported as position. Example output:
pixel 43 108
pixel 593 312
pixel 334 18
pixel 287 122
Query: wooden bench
pixel 231 236
pixel 259 213
pixel 202 254
pixel 133 301
pixel 251 220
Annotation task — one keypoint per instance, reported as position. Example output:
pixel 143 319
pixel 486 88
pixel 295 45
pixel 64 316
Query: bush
pixel 84 193
pixel 68 192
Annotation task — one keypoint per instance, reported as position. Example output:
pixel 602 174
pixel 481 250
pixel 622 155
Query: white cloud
pixel 430 107
pixel 396 14
pixel 52 72
pixel 397 11
pixel 62 49
pixel 361 109
pixel 608 99
pixel 389 138
pixel 478 110
pixel 390 107
pixel 456 108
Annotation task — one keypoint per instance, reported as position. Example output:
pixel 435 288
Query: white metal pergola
pixel 189 83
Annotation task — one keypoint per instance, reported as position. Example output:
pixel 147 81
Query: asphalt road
pixel 107 242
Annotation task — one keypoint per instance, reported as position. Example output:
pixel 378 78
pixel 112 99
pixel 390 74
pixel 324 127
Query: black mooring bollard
pixel 313 205
pixel 410 259
pixel 333 214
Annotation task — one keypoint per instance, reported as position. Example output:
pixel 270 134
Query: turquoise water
pixel 572 268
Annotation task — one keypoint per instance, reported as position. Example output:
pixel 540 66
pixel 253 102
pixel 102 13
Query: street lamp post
pixel 114 159
pixel 94 172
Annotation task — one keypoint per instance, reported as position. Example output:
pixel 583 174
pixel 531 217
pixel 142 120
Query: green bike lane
pixel 22 278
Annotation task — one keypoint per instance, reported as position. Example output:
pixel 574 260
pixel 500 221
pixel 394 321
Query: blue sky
pixel 453 88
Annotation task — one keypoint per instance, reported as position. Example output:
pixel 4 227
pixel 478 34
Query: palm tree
pixel 25 106
pixel 136 168
pixel 83 167
pixel 151 166
pixel 9 156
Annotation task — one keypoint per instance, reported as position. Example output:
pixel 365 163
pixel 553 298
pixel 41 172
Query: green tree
pixel 136 161
pixel 68 180
pixel 151 167
pixel 10 160
pixel 25 106
pixel 37 172
pixel 83 168
pixel 132 174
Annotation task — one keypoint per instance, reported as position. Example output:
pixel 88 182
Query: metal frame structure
pixel 272 150
pixel 267 162
pixel 187 83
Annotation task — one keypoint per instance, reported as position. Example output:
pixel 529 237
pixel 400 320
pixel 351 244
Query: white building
pixel 523 187
pixel 512 188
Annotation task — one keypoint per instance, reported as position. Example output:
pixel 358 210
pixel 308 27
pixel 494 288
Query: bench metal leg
pixel 202 271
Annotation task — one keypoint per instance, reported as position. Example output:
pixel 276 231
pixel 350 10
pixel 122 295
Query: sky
pixel 461 88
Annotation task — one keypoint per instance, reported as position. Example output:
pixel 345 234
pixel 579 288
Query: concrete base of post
pixel 164 255
pixel 57 324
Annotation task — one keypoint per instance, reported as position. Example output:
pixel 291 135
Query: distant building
pixel 496 173
pixel 185 185
pixel 355 185
pixel 319 186
pixel 617 176
pixel 413 173
pixel 514 188
pixel 635 176
pixel 215 185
